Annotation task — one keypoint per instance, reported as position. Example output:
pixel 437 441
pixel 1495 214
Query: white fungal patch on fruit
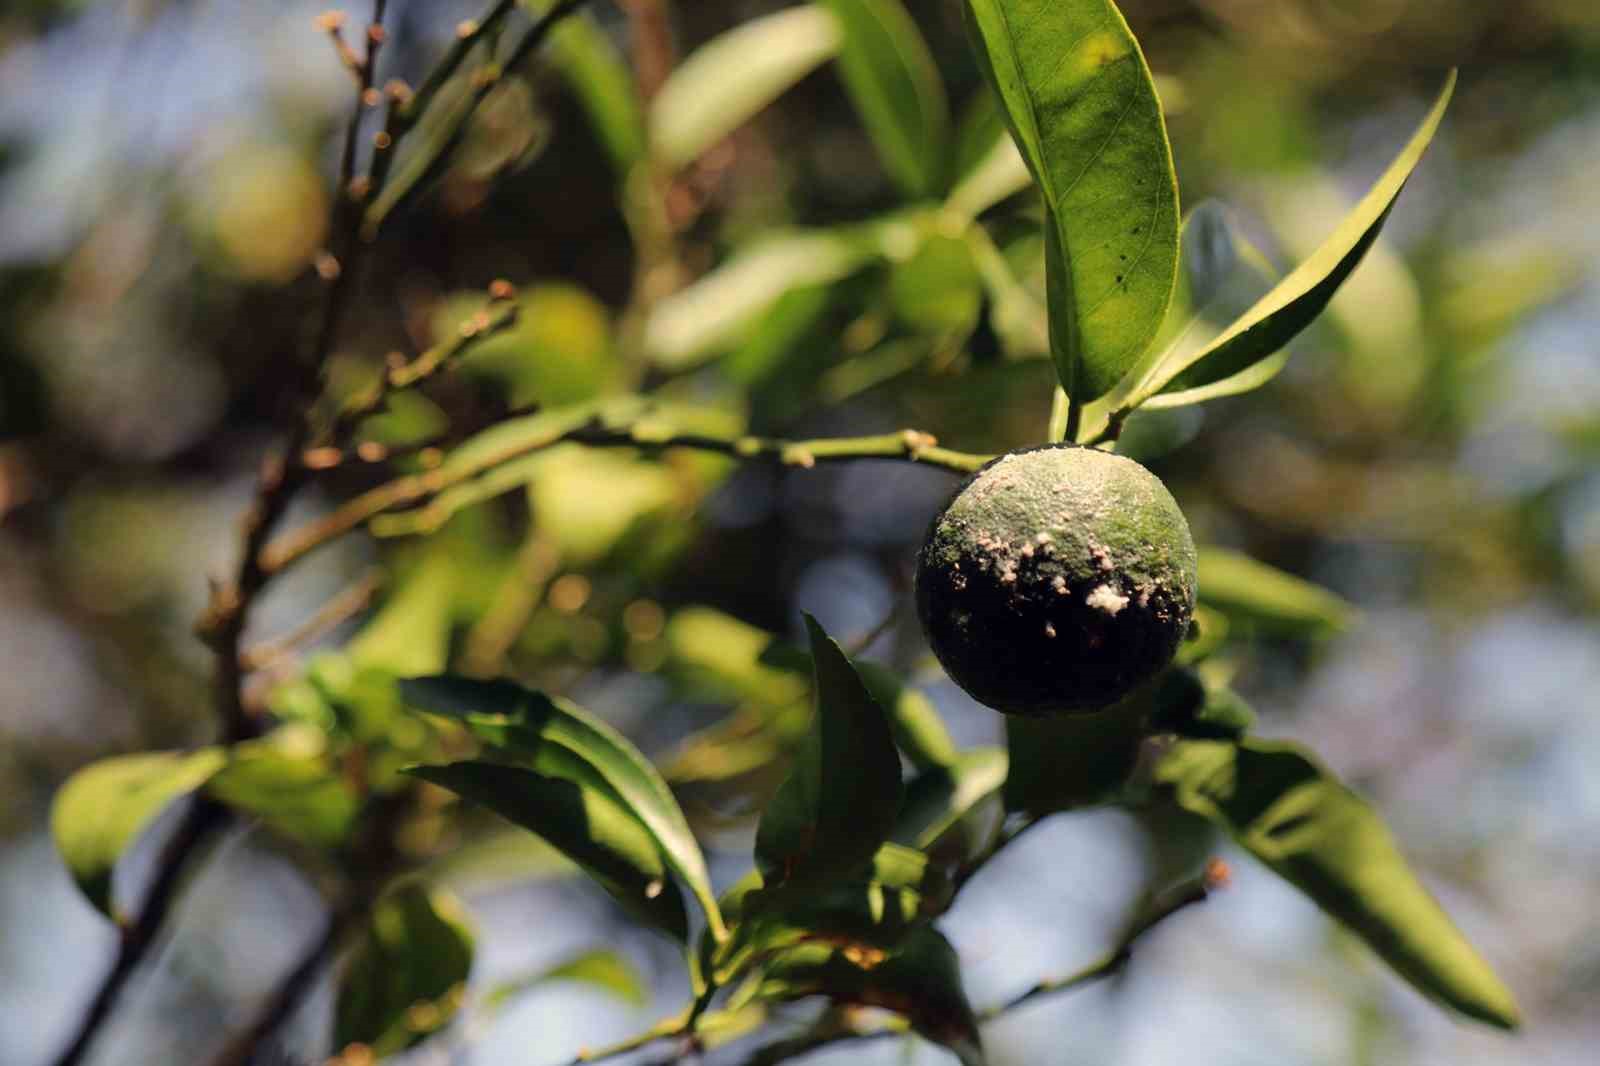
pixel 1107 599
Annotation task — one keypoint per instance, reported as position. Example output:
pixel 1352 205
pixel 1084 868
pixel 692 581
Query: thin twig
pixel 906 446
pixel 226 618
pixel 349 602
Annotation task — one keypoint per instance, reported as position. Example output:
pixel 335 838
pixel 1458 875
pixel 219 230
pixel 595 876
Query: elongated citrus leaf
pixel 918 730
pixel 1299 820
pixel 1291 306
pixel 585 823
pixel 101 810
pixel 407 976
pixel 698 320
pixel 729 79
pixel 605 970
pixel 1269 599
pixel 300 796
pixel 838 804
pixel 529 725
pixel 1083 110
pixel 600 79
pixel 941 796
pixel 892 79
pixel 919 978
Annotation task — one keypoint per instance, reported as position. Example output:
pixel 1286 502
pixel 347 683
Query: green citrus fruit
pixel 1056 580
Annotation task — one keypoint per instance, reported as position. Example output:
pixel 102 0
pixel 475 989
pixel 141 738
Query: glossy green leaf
pixel 1294 816
pixel 838 805
pixel 604 969
pixel 299 795
pixel 895 86
pixel 919 978
pixel 1272 601
pixel 585 823
pixel 727 80
pixel 530 726
pixel 102 809
pixel 406 978
pixel 939 797
pixel 1073 761
pixel 1083 110
pixel 1281 314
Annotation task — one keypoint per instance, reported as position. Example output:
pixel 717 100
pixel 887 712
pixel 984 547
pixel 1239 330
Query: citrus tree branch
pixel 224 623
pixel 907 446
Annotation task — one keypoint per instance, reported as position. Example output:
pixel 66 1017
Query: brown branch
pixel 350 602
pixel 224 624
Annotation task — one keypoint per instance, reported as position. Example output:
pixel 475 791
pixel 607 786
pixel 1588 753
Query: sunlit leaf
pixel 838 804
pixel 530 726
pixel 102 809
pixel 892 79
pixel 726 81
pixel 1083 110
pixel 919 732
pixel 299 795
pixel 1292 305
pixel 603 969
pixel 591 828
pixel 406 977
pixel 1269 599
pixel 696 321
pixel 1294 816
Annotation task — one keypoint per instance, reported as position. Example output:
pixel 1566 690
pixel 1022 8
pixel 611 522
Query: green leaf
pixel 1274 602
pixel 939 797
pixel 1207 711
pixel 838 805
pixel 891 77
pixel 530 725
pixel 699 319
pixel 605 970
pixel 585 823
pixel 102 809
pixel 1073 761
pixel 726 81
pixel 299 795
pixel 600 78
pixel 1083 110
pixel 919 978
pixel 1299 820
pixel 1281 314
pixel 406 978
pixel 918 730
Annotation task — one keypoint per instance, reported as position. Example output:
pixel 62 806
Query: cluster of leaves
pixel 1137 308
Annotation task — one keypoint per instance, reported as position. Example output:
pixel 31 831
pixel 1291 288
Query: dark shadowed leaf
pixel 919 978
pixel 1072 761
pixel 407 976
pixel 585 823
pixel 1299 820
pixel 1265 597
pixel 918 729
pixel 839 802
pixel 892 79
pixel 1083 110
pixel 562 739
pixel 101 810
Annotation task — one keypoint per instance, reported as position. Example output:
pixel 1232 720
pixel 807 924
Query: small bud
pixel 371 451
pixel 331 21
pixel 1218 875
pixel 360 186
pixel 397 90
pixel 327 266
pixel 371 98
pixel 322 458
pixel 382 141
pixel 466 28
pixel 377 34
pixel 501 289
